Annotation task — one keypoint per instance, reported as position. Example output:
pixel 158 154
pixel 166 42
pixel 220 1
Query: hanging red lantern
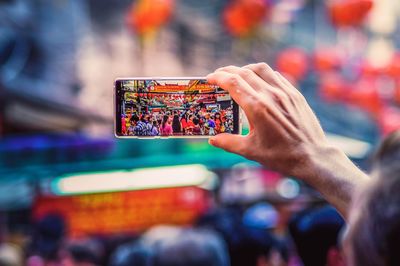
pixel 365 94
pixel 327 59
pixel 241 17
pixel 147 16
pixel 396 97
pixel 293 62
pixel 393 69
pixel 369 70
pixel 333 87
pixel 389 120
pixel 346 13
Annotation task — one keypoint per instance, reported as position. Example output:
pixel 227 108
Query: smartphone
pixel 173 108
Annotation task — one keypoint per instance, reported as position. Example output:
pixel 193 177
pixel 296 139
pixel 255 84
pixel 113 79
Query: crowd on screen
pixel 186 122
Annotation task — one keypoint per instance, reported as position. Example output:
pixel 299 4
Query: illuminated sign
pixel 174 88
pixel 124 212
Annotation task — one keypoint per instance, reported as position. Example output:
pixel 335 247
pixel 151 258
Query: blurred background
pixel 71 192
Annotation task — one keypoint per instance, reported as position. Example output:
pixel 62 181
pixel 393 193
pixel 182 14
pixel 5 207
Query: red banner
pixel 175 88
pixel 124 212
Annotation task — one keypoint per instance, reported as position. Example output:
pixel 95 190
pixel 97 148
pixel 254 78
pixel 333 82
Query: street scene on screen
pixel 174 108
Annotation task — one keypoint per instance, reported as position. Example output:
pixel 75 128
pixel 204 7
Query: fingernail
pixel 211 140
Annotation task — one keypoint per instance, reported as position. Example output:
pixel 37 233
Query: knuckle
pixel 246 73
pixel 234 80
pixel 230 67
pixel 296 96
pixel 257 104
pixel 259 67
pixel 225 68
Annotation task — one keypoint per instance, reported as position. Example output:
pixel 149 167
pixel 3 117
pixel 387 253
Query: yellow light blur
pixel 138 179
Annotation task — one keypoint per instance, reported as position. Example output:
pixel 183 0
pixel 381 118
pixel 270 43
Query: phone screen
pixel 173 107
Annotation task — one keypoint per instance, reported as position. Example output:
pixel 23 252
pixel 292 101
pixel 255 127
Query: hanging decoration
pixel 393 69
pixel 327 59
pixel 389 120
pixel 369 70
pixel 292 62
pixel 242 17
pixel 146 17
pixel 396 97
pixel 365 94
pixel 333 87
pixel 347 13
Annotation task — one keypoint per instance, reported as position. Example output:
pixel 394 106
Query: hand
pixel 284 133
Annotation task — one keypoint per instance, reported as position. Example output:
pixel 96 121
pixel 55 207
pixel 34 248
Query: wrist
pixel 320 160
pixel 329 162
pixel 330 171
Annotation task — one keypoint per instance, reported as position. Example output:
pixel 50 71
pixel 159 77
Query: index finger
pixel 272 77
pixel 239 89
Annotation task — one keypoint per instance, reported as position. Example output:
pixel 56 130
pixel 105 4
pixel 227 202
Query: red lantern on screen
pixel 293 62
pixel 241 17
pixel 365 94
pixel 333 87
pixel 147 16
pixel 346 13
pixel 327 59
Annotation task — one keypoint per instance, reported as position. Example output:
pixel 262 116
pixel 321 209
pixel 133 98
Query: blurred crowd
pixel 221 237
pixel 263 232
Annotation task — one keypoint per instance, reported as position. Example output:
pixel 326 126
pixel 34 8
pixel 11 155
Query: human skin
pixel 285 134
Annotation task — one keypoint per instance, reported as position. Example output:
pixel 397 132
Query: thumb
pixel 229 142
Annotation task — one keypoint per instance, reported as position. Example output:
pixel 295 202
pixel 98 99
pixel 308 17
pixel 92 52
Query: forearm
pixel 335 177
pixel 285 135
